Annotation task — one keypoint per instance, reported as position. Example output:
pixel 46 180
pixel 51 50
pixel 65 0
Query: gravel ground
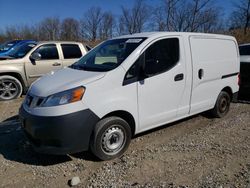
pixel 195 152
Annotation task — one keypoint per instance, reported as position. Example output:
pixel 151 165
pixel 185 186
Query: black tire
pixel 10 88
pixel 110 129
pixel 222 105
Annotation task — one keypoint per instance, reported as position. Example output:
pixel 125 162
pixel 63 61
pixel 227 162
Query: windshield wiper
pixel 77 67
pixel 88 68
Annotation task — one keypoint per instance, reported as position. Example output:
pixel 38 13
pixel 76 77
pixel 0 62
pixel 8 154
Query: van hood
pixel 62 80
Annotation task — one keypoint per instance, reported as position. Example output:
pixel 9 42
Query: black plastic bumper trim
pixel 59 135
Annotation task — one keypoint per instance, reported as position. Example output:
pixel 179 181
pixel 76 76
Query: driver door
pixel 161 92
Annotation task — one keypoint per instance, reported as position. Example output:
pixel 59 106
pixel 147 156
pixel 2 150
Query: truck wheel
pixel 110 138
pixel 10 88
pixel 222 105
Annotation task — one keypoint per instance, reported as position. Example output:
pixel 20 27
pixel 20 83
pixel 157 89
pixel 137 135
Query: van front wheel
pixel 110 138
pixel 222 105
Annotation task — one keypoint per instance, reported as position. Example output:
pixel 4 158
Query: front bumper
pixel 59 135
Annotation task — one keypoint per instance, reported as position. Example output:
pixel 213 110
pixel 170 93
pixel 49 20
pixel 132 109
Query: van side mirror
pixel 35 56
pixel 141 68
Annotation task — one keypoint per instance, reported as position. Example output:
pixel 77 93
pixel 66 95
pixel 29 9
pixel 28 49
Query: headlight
pixel 65 97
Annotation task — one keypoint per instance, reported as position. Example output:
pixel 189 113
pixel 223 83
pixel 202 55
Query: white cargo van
pixel 128 85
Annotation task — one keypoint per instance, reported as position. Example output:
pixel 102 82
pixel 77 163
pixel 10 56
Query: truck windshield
pixel 108 55
pixel 21 50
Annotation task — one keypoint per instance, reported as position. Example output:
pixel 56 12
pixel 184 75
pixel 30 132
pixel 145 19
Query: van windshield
pixel 108 55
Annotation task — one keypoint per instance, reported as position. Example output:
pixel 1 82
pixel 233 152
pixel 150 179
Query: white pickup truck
pixel 17 74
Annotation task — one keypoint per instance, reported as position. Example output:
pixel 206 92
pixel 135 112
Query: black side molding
pixel 229 75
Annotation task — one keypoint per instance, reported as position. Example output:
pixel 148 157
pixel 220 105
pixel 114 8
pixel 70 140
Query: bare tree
pixel 170 9
pixel 11 32
pixel 240 17
pixel 70 29
pixel 106 26
pixel 90 23
pixel 2 36
pixel 49 29
pixel 197 16
pixel 182 15
pixel 26 32
pixel 120 26
pixel 158 19
pixel 134 20
pixel 20 32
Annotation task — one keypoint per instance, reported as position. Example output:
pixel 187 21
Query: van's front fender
pixel 103 100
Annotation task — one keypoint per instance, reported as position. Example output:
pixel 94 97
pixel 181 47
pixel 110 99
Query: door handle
pixel 56 64
pixel 200 73
pixel 179 77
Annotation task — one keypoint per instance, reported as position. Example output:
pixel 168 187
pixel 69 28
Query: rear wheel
pixel 110 138
pixel 222 105
pixel 10 88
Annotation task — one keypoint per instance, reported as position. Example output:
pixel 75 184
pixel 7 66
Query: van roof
pixel 161 34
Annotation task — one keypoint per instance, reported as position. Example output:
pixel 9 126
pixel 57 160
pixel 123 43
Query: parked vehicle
pixel 16 75
pixel 128 85
pixel 8 46
pixel 19 51
pixel 244 91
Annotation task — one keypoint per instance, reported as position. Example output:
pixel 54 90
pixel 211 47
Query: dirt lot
pixel 196 152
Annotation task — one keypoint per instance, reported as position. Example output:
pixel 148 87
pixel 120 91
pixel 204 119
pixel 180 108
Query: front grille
pixel 28 100
pixel 33 101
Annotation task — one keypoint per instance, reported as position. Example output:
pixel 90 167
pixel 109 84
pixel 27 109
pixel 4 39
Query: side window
pixel 161 56
pixel 48 51
pixel 245 50
pixel 71 51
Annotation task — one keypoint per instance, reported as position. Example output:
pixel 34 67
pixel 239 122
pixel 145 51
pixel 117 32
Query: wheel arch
pixel 128 117
pixel 229 90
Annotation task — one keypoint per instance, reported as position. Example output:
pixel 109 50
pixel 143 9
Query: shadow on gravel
pixel 87 156
pixel 13 118
pixel 14 146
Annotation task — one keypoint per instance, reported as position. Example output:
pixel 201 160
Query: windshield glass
pixel 21 50
pixel 108 55
pixel 6 46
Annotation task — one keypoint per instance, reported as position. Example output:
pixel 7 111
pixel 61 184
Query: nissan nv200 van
pixel 128 85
